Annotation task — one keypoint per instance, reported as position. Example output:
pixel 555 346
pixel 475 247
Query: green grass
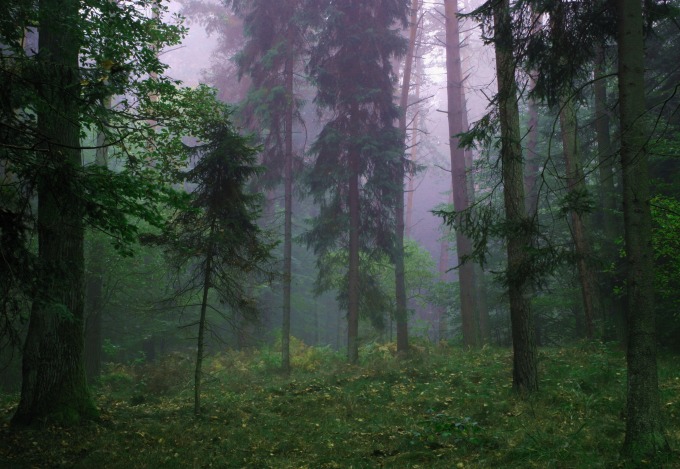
pixel 443 408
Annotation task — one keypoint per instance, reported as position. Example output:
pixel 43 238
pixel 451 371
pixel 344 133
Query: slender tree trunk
pixel 201 332
pixel 532 168
pixel 461 202
pixel 353 274
pixel 288 215
pixel 481 309
pixel 531 160
pixel 94 301
pixel 417 123
pixel 524 372
pixel 401 313
pixel 608 206
pixel 443 268
pixel 645 437
pixel 54 384
pixel 576 187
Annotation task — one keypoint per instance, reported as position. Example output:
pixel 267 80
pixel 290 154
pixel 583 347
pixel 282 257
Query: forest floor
pixel 442 408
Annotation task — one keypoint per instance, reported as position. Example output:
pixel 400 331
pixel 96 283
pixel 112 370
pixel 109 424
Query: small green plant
pixel 440 429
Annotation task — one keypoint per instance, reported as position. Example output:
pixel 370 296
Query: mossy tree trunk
pixel 645 437
pixel 524 371
pixel 54 386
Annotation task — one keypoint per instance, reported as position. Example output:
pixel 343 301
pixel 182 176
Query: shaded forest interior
pixel 319 233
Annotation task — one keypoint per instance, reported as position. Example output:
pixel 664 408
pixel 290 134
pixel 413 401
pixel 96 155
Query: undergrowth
pixel 442 408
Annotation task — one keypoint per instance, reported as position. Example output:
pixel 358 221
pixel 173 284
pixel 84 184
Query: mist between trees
pixel 180 181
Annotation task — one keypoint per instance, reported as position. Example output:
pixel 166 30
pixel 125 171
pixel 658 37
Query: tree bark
pixel 353 273
pixel 576 186
pixel 54 385
pixel 531 176
pixel 443 268
pixel 417 123
pixel 201 331
pixel 608 197
pixel 288 213
pixel 524 372
pixel 645 437
pixel 461 201
pixel 401 313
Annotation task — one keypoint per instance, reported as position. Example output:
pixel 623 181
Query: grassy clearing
pixel 443 408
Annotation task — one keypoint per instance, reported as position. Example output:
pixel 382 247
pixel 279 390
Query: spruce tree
pixel 359 152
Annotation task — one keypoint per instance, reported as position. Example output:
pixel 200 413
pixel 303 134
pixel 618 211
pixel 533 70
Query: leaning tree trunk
pixel 461 202
pixel 54 384
pixel 524 370
pixel 644 433
pixel 576 187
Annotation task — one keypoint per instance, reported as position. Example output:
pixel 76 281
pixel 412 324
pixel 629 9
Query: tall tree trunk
pixel 288 215
pixel 401 313
pixel 608 206
pixel 201 331
pixel 532 167
pixel 94 301
pixel 644 434
pixel 417 123
pixel 481 308
pixel 353 273
pixel 461 202
pixel 443 268
pixel 54 384
pixel 524 370
pixel 576 187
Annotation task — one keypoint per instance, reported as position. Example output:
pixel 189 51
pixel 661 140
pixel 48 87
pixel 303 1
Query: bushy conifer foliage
pixel 359 150
pixel 216 244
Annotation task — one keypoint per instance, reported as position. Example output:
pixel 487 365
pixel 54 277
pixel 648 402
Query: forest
pixel 339 233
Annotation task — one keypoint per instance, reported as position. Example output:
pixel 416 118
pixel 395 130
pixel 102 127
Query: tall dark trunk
pixel 401 315
pixel 461 202
pixel 576 187
pixel 353 273
pixel 94 306
pixel 524 371
pixel 607 220
pixel 288 216
pixel 54 386
pixel 645 437
pixel 532 167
